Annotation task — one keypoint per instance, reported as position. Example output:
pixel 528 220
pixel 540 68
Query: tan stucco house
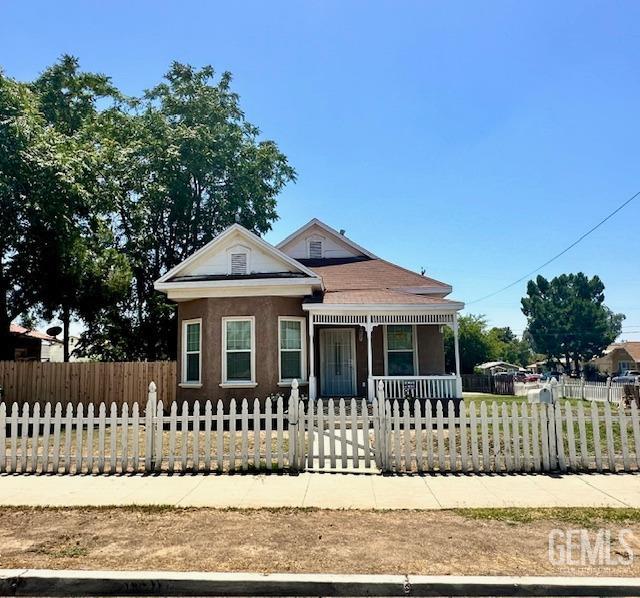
pixel 619 357
pixel 318 308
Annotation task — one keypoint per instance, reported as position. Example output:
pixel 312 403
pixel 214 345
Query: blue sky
pixel 473 139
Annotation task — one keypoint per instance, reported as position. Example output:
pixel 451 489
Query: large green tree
pixel 475 345
pixel 194 165
pixel 568 319
pixel 39 181
pixel 83 270
pixel 506 346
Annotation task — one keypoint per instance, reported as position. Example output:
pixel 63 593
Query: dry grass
pixel 302 540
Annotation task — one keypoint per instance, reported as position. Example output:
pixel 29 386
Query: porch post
pixel 370 386
pixel 457 353
pixel 312 361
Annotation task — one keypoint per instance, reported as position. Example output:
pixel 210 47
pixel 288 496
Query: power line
pixel 555 257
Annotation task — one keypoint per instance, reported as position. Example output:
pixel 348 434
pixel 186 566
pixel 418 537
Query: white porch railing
pixel 418 387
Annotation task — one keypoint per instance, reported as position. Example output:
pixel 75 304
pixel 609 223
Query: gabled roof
pixel 21 331
pixel 330 231
pixel 631 347
pixel 211 247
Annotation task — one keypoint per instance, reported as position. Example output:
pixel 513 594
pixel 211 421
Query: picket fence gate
pixel 332 435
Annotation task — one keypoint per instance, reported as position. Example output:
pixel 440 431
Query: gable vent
pixel 238 263
pixel 315 250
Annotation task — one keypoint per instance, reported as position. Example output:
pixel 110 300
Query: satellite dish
pixel 54 330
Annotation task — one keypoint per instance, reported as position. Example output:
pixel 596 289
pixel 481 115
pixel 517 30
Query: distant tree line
pixel 567 322
pixel 101 193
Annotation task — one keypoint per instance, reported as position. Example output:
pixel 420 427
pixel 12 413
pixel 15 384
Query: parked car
pixel 533 378
pixel 629 377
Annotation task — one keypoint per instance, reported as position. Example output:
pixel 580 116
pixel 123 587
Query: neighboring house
pixel 493 367
pixel 54 352
pixel 540 367
pixel 28 344
pixel 619 357
pixel 317 308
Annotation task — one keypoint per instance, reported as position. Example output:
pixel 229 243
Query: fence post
pixel 294 416
pixel 609 389
pixel 382 427
pixel 582 391
pixel 149 428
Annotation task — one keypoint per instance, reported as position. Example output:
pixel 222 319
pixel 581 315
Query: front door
pixel 337 362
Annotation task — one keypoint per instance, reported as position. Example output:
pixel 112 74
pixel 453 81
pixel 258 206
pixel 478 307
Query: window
pixel 400 350
pixel 238 358
pixel 623 366
pixel 291 339
pixel 315 249
pixel 191 350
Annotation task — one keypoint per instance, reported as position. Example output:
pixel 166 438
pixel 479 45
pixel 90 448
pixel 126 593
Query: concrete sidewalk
pixel 327 491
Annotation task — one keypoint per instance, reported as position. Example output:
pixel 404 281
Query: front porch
pixel 351 353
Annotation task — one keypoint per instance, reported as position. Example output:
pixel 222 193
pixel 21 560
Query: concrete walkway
pixel 327 491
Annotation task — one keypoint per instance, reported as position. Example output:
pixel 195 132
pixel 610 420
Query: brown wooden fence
pixel 86 382
pixel 487 383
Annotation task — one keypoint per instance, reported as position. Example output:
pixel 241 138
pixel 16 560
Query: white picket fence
pixel 387 435
pixel 613 392
pixel 116 440
pixel 515 437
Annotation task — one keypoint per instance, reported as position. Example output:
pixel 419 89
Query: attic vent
pixel 315 250
pixel 238 263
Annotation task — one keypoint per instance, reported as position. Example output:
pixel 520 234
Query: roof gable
pixel 215 258
pixel 334 245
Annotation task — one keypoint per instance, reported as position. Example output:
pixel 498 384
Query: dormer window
pixel 315 249
pixel 238 261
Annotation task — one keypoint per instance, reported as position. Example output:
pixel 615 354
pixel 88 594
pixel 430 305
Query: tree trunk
pixel 66 317
pixel 6 342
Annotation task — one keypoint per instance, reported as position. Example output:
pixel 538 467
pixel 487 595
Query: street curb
pixel 47 582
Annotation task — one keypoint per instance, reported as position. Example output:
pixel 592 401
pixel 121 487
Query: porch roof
pixel 384 296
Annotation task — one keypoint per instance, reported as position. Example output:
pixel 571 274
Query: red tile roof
pixel 15 329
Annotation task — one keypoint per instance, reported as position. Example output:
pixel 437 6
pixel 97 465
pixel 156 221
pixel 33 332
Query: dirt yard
pixel 283 540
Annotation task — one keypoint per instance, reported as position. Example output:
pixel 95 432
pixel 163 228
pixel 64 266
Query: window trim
pixel 414 336
pixel 226 383
pixel 184 382
pixel 303 349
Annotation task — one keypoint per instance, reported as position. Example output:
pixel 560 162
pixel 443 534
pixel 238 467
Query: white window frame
pixel 226 383
pixel 191 383
pixel 414 337
pixel 238 249
pixel 303 349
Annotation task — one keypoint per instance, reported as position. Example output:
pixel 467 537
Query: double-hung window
pixel 191 351
pixel 291 343
pixel 238 350
pixel 401 350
